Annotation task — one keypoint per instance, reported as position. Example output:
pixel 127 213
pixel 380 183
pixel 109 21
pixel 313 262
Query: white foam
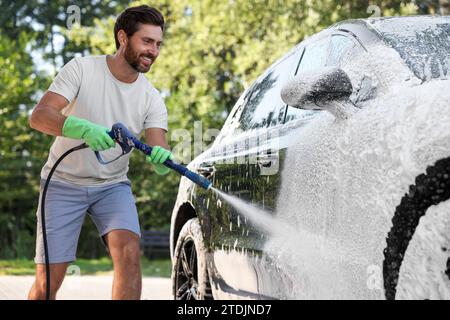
pixel 340 186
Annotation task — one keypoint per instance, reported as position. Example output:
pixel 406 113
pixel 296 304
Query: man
pixel 86 98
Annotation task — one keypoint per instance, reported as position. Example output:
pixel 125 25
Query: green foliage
pixel 213 50
pixel 22 150
pixel 47 20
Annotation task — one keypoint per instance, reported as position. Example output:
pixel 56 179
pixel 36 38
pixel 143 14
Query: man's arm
pixel 156 137
pixel 47 116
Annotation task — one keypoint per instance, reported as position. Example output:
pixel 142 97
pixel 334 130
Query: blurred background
pixel 213 50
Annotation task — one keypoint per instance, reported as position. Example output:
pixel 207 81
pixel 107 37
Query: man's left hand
pixel 157 158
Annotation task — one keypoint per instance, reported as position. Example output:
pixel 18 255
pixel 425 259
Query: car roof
pixel 371 29
pixel 357 27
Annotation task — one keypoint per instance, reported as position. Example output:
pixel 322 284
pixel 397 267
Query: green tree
pixel 22 152
pixel 47 20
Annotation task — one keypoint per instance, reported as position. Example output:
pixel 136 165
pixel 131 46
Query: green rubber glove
pixel 95 136
pixel 157 157
pixel 161 169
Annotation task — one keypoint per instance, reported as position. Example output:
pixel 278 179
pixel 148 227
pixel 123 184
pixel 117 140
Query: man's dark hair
pixel 130 20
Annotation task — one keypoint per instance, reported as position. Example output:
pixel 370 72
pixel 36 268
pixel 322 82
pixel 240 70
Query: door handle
pixel 206 171
pixel 268 163
pixel 265 160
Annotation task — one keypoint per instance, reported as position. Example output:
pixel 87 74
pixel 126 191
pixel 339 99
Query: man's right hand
pixel 95 136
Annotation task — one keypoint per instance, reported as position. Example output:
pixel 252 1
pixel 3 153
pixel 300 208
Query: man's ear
pixel 123 38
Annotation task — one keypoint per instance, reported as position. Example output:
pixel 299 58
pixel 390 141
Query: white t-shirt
pixel 96 95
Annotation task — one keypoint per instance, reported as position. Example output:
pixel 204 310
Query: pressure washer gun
pixel 127 142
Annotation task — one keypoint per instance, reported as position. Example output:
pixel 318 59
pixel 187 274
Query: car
pixel 334 174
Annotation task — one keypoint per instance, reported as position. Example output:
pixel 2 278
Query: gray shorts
pixel 110 207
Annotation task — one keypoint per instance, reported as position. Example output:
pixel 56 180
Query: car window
pixel 343 50
pixel 333 51
pixel 314 58
pixel 232 121
pixel 422 42
pixel 340 49
pixel 263 106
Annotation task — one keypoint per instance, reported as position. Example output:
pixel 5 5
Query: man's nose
pixel 154 50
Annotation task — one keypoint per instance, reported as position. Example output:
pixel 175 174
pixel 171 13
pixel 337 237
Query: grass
pixel 102 266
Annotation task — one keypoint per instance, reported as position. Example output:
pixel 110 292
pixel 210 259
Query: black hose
pixel 44 231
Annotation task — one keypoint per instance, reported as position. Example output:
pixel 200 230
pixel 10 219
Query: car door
pixel 244 161
pixel 313 213
pixel 273 279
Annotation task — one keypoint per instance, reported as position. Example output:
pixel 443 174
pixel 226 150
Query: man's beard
pixel 133 59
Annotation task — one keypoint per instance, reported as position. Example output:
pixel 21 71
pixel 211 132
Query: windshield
pixel 422 42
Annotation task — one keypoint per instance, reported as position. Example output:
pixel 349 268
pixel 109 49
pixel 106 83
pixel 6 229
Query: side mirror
pixel 328 89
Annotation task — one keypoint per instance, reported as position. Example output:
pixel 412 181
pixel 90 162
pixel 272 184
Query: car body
pixel 356 180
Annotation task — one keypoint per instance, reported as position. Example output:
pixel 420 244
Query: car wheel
pixel 430 189
pixel 190 279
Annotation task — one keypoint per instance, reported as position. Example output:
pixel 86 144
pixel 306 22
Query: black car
pixel 342 148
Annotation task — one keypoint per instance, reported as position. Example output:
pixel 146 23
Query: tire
pixel 190 280
pixel 429 189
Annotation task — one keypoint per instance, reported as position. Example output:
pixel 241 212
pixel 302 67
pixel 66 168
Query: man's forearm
pixel 156 137
pixel 47 120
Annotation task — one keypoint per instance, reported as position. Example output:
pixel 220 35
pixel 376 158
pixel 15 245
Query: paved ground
pixel 82 288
